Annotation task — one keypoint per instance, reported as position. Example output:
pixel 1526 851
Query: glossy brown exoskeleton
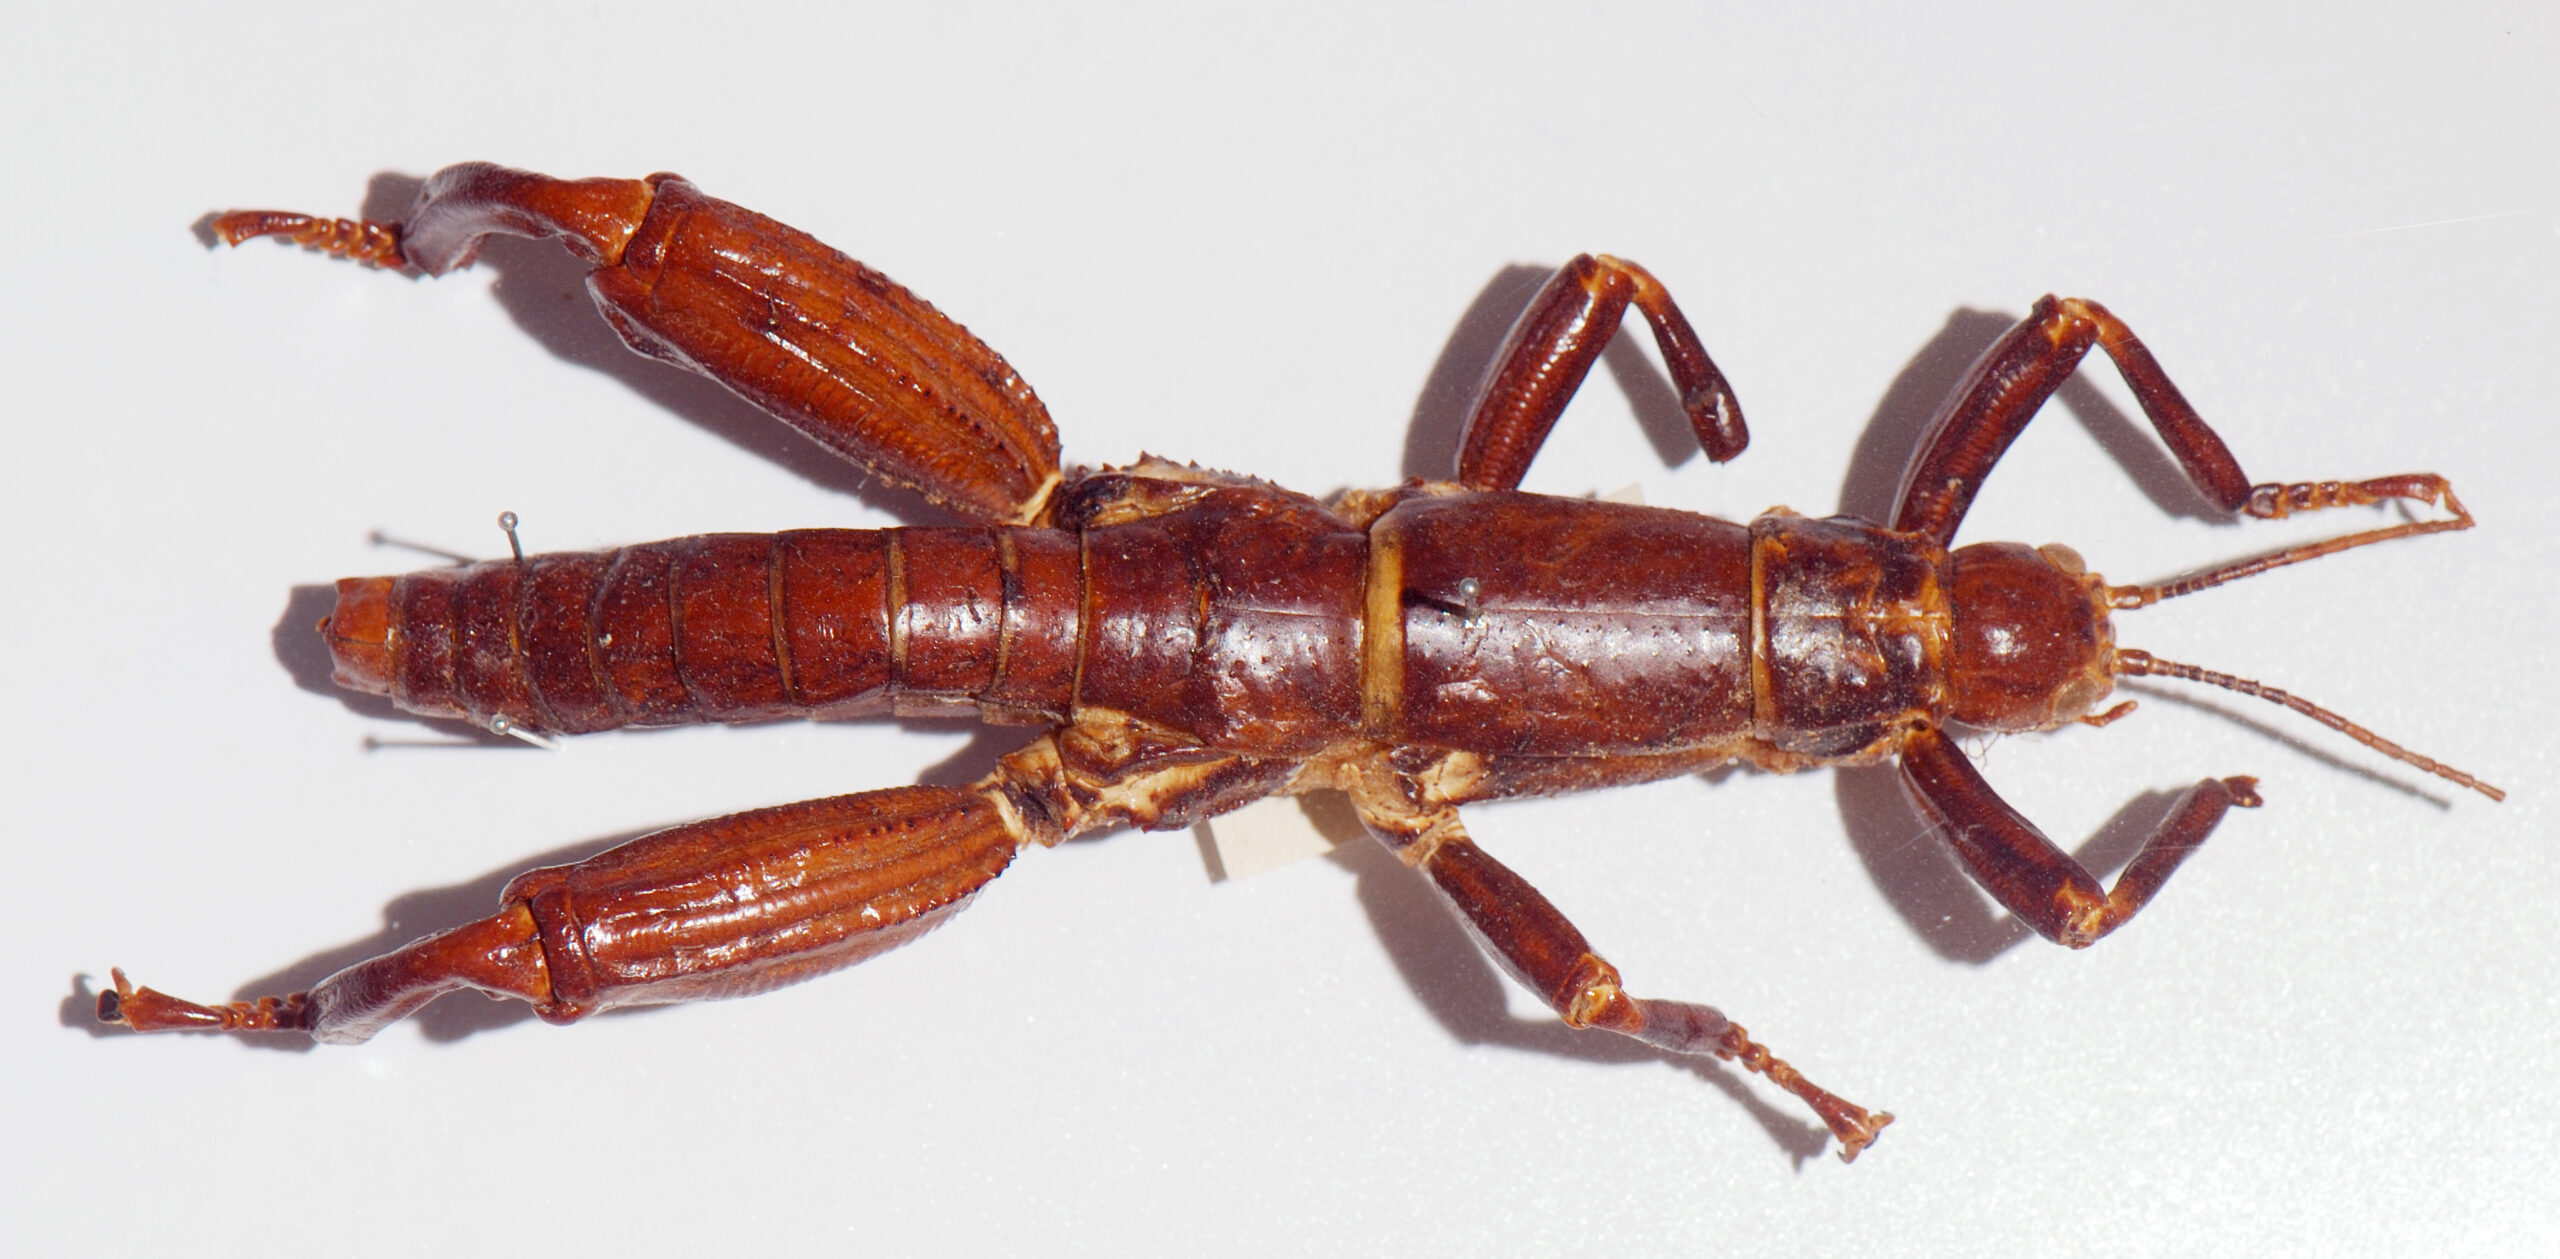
pixel 1194 640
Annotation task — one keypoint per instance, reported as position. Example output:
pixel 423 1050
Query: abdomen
pixel 726 627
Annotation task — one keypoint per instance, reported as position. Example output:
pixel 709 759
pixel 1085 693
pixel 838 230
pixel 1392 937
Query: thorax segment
pixel 1511 623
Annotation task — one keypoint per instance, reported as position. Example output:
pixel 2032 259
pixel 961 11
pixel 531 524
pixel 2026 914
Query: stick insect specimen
pixel 1189 641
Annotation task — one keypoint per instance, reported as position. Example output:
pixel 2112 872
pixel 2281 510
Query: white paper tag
pixel 1268 834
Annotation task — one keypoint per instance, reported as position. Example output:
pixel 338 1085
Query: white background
pixel 1279 244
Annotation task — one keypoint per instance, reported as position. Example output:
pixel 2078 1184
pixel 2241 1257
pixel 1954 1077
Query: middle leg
pixel 1540 948
pixel 1552 347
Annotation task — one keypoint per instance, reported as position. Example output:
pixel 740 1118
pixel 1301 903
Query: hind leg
pixel 825 344
pixel 722 908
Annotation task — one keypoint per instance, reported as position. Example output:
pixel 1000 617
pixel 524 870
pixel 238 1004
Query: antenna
pixel 2274 502
pixel 2132 663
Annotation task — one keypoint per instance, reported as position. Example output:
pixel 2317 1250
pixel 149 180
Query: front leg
pixel 829 346
pixel 2009 384
pixel 2026 873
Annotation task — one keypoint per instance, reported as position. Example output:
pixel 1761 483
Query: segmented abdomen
pixel 726 627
